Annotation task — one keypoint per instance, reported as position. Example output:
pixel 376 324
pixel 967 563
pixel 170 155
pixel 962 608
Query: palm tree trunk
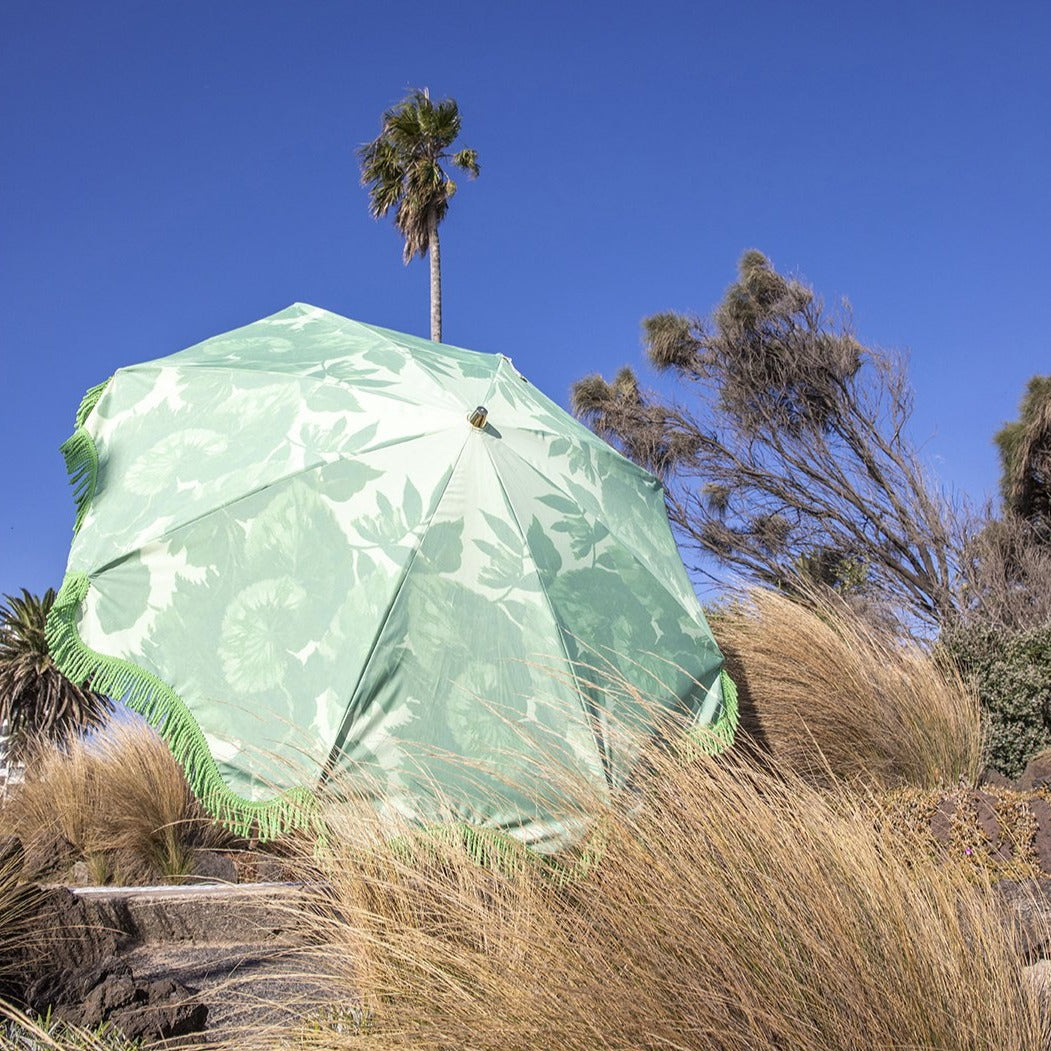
pixel 436 282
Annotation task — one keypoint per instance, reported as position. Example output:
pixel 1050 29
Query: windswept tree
pixel 1025 458
pixel 1008 558
pixel 37 702
pixel 791 457
pixel 1002 641
pixel 402 168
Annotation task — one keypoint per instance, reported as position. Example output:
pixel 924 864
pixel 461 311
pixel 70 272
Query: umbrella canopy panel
pixel 302 560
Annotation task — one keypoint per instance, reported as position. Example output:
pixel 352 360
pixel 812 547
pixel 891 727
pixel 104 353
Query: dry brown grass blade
pixel 120 800
pixel 732 910
pixel 732 907
pixel 828 696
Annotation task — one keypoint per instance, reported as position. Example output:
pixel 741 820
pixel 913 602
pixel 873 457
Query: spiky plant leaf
pixel 37 702
pixel 467 160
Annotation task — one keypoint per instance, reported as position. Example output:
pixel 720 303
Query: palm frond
pixel 467 160
pixel 36 700
pixel 402 167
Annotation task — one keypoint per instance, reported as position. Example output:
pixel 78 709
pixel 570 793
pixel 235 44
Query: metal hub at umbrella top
pixel 292 558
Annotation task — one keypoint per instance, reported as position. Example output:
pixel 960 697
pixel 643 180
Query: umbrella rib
pixel 604 758
pixel 297 473
pixel 620 542
pixel 325 380
pixel 351 712
pixel 628 548
pixel 412 354
pixel 542 402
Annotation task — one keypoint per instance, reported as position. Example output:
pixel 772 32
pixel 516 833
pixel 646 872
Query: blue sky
pixel 170 171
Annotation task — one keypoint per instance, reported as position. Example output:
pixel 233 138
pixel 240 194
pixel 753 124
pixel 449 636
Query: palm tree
pixel 37 702
pixel 402 168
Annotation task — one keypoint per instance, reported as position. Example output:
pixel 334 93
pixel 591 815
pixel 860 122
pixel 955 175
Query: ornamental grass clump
pixel 830 697
pixel 727 909
pixel 119 802
pixel 18 908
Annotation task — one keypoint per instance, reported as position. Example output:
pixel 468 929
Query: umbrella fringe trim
pixel 90 400
pixel 82 466
pixel 82 456
pixel 494 849
pixel 725 727
pixel 165 711
pixel 715 737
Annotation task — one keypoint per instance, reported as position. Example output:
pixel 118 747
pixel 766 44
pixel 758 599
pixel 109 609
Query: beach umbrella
pixel 311 549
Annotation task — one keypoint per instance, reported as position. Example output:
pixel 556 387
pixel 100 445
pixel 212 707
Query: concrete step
pixel 248 989
pixel 202 914
pixel 235 947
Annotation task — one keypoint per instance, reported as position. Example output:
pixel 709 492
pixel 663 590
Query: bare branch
pixel 794 460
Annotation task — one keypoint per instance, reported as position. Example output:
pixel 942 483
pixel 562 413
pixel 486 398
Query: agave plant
pixel 37 702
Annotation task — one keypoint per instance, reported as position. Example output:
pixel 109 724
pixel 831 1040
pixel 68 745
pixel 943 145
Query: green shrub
pixel 23 1033
pixel 1011 671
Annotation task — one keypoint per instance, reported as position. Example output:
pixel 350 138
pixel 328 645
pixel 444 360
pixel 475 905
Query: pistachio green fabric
pixel 299 558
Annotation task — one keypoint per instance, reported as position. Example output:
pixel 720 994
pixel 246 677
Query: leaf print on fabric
pixel 328 714
pixel 246 348
pixel 253 645
pixel 326 399
pixel 139 393
pixel 596 608
pixel 411 505
pixel 363 380
pixel 342 480
pixel 503 568
pixel 286 528
pixel 123 613
pixel 338 437
pixel 584 535
pixel 560 503
pixel 127 596
pixel 478 726
pixel 505 532
pixel 585 498
pixel 545 554
pixel 387 358
pixel 387 528
pixel 581 462
pixel 173 461
pixel 260 404
pixel 445 546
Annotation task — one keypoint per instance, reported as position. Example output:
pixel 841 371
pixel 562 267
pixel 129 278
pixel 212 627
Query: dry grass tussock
pixel 731 910
pixel 18 914
pixel 830 697
pixel 119 801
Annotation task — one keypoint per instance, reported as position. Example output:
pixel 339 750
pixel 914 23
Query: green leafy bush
pixel 1011 671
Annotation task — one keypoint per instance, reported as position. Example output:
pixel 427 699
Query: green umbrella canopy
pixel 300 559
